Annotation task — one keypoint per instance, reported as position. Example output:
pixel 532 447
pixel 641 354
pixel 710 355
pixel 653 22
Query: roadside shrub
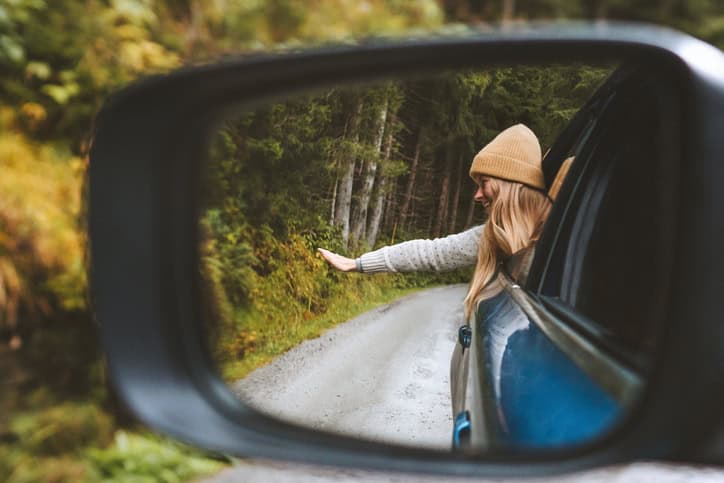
pixel 148 458
pixel 62 428
pixel 63 469
pixel 131 457
pixel 41 243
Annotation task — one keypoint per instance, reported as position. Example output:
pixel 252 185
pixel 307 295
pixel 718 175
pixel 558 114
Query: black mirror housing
pixel 143 206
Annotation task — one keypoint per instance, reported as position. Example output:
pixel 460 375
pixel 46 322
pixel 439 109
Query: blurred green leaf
pixel 59 93
pixel 39 70
pixel 11 50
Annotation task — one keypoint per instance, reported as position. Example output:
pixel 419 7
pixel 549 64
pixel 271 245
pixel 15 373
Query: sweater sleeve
pixel 438 255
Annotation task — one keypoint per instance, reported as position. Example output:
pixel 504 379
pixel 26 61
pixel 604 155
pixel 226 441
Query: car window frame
pixel 527 276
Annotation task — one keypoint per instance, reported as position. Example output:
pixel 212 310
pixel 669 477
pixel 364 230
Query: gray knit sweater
pixel 438 255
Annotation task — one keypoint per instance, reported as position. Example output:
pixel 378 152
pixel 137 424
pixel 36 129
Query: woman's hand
pixel 338 261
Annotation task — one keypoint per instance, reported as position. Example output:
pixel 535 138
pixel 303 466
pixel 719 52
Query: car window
pixel 612 251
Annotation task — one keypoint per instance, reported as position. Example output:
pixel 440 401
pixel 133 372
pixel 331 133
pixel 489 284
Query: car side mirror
pixel 170 227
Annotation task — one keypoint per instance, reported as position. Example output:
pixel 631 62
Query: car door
pixel 558 356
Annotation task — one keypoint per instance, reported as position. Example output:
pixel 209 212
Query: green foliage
pixel 18 468
pixel 544 99
pixel 49 441
pixel 61 58
pixel 148 458
pixel 41 245
pixel 68 425
pixel 77 441
pixel 229 257
pixel 85 450
pixel 234 25
pixel 12 15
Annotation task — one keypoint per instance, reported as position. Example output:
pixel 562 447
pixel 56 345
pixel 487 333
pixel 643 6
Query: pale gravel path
pixel 382 376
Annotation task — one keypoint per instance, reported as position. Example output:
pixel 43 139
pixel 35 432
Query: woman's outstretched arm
pixel 438 255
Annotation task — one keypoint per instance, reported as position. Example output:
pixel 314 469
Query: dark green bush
pixel 62 428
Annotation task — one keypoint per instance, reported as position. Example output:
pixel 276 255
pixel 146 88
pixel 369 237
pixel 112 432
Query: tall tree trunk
pixel 423 205
pixel 379 204
pixel 471 211
pixel 334 198
pixel 430 220
pixel 412 217
pixel 405 209
pixel 666 8
pixel 508 10
pixel 344 191
pixel 195 31
pixel 600 9
pixel 456 197
pixel 388 219
pixel 359 214
pixel 335 187
pixel 444 194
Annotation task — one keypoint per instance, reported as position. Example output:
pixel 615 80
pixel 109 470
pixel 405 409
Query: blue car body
pixel 539 397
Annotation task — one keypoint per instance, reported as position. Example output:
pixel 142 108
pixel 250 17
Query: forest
pixel 60 60
pixel 352 169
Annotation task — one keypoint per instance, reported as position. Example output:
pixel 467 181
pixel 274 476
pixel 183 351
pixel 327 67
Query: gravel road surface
pixel 382 376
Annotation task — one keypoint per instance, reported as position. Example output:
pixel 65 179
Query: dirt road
pixel 382 376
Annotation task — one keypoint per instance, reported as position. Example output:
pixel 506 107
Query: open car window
pixel 607 271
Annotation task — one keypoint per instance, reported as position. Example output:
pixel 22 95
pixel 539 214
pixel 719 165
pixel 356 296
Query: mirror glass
pixel 389 355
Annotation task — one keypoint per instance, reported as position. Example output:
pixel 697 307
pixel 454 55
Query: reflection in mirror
pixel 299 335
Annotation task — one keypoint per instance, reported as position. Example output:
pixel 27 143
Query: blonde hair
pixel 517 216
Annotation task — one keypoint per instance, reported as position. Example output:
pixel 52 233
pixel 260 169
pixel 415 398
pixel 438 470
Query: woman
pixel 511 188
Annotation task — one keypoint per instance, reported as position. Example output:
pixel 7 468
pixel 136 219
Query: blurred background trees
pixel 60 59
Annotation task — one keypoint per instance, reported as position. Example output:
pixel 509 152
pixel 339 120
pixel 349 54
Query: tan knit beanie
pixel 513 155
